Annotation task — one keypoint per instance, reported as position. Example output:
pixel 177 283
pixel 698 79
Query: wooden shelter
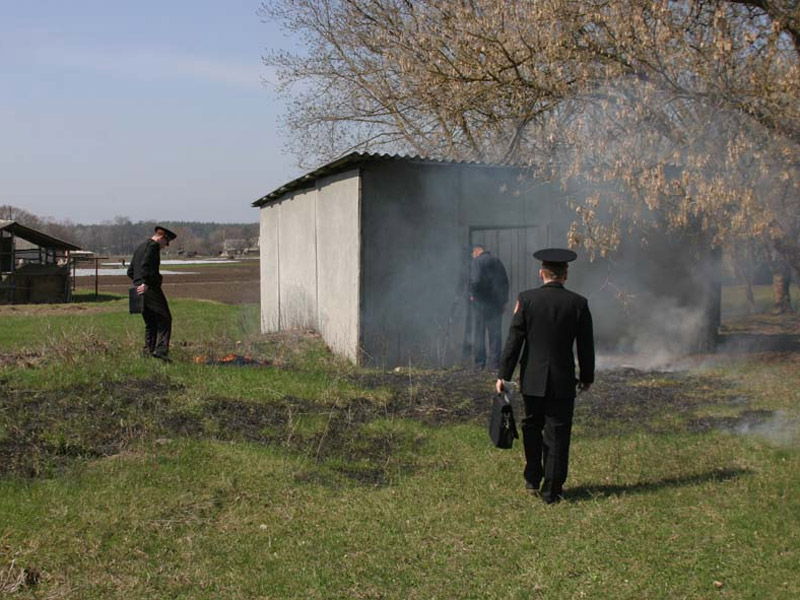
pixel 34 266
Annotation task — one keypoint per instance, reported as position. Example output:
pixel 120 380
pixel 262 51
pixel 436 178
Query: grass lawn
pixel 734 299
pixel 123 477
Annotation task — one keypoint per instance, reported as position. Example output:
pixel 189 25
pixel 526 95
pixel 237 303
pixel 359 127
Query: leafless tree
pixel 12 213
pixel 679 113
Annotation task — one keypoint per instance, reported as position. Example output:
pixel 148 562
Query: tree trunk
pixel 713 319
pixel 785 255
pixel 743 271
pixel 751 299
pixel 781 296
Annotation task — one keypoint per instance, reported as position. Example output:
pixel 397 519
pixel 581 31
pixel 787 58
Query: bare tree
pixel 12 213
pixel 679 113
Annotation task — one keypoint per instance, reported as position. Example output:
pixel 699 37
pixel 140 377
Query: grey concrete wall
pixel 416 222
pixel 270 277
pixel 310 249
pixel 298 261
pixel 508 198
pixel 411 251
pixel 338 262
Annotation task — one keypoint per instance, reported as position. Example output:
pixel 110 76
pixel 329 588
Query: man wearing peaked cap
pixel 547 322
pixel 144 271
pixel 559 256
pixel 488 295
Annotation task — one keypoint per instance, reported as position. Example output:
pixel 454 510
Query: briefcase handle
pixel 508 391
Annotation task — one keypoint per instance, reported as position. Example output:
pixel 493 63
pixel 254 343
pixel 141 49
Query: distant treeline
pixel 121 235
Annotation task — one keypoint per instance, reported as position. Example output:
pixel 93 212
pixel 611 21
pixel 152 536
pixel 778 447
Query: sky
pixel 152 110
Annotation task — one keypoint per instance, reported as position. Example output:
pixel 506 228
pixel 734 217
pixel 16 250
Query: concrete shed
pixel 372 251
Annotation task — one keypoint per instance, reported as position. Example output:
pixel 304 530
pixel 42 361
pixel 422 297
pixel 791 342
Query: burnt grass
pixel 44 431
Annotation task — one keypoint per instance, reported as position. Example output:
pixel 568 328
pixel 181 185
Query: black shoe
pixel 532 487
pixel 161 355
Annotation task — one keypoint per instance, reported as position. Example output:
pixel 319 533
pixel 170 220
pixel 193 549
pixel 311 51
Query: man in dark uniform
pixel 144 270
pixel 547 322
pixel 488 294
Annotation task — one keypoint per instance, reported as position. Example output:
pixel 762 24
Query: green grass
pixel 734 300
pixel 193 321
pixel 213 514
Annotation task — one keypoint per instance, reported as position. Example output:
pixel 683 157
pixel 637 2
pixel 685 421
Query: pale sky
pixel 139 108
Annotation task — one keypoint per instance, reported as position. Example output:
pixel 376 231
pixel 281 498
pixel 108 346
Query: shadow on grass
pixel 89 297
pixel 748 343
pixel 589 492
pixel 760 332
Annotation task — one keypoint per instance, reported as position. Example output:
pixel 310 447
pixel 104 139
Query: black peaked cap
pixel 171 235
pixel 555 255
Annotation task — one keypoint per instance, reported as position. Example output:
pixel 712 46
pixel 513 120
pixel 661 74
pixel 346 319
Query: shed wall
pixel 297 261
pixel 338 269
pixel 310 247
pixel 417 221
pixel 269 220
pixel 411 259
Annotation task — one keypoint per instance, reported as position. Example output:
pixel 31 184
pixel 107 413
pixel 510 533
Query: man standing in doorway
pixel 488 294
pixel 547 322
pixel 144 271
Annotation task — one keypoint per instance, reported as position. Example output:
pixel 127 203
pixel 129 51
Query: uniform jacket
pixel 547 322
pixel 144 267
pixel 488 281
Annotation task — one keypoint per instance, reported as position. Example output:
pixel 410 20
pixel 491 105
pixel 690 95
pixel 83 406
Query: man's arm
pixel 149 264
pixel 134 268
pixel 514 343
pixel 474 279
pixel 585 345
pixel 502 284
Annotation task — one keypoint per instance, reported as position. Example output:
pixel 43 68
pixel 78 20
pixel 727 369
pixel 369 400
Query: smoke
pixel 418 220
pixel 780 430
pixel 656 334
pixel 412 264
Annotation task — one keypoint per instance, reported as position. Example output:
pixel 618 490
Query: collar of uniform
pixel 553 284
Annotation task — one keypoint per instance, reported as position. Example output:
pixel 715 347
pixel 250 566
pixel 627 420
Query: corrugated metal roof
pixel 354 159
pixel 36 237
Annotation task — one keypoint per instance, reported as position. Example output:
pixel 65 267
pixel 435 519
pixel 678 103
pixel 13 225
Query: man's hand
pixel 499 386
pixel 583 387
pixel 141 289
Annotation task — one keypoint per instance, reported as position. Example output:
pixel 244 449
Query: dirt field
pixel 232 283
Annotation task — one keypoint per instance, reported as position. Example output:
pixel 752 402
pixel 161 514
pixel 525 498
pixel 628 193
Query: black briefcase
pixel 502 426
pixel 135 301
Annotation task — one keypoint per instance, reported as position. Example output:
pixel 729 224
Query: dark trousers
pixel 157 321
pixel 487 321
pixel 546 431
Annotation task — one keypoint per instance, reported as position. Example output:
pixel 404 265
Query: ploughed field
pixel 231 283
